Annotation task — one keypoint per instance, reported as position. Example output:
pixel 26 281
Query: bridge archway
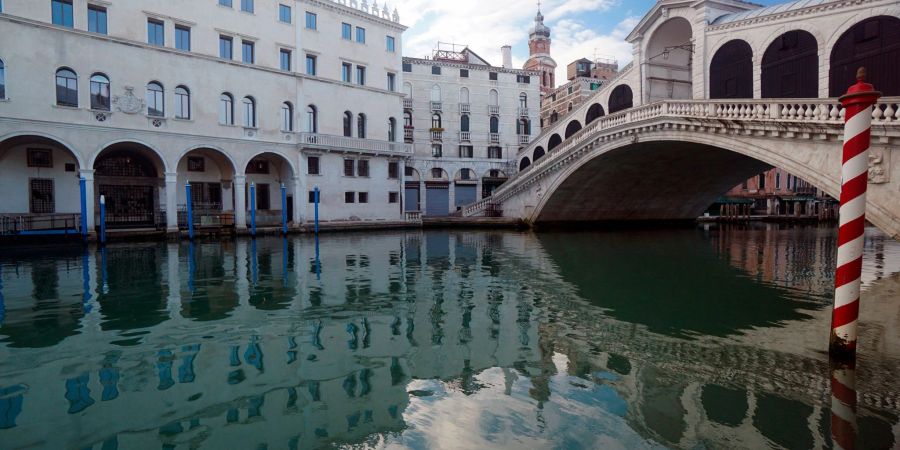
pixel 593 113
pixel 524 163
pixel 538 153
pixel 873 43
pixel 554 142
pixel 790 66
pixel 668 61
pixel 621 98
pixel 731 71
pixel 572 128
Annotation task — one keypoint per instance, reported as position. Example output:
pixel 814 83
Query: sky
pixel 579 28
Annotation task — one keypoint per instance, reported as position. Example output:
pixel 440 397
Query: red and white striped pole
pixel 843 406
pixel 854 180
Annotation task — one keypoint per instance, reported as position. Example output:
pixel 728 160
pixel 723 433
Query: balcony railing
pixel 437 106
pixel 437 135
pixel 465 108
pixel 523 112
pixel 524 139
pixel 407 103
pixel 408 135
pixel 493 109
pixel 495 138
pixel 327 141
pixel 465 136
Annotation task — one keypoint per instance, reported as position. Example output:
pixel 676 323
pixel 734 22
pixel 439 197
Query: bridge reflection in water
pixel 480 339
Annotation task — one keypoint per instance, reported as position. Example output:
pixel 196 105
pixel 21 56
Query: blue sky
pixel 580 28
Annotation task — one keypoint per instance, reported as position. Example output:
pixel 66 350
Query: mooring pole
pixel 190 211
pixel 844 427
pixel 316 208
pixel 284 229
pixel 851 236
pixel 253 209
pixel 82 186
pixel 102 219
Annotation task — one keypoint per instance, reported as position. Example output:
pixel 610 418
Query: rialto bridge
pixel 718 91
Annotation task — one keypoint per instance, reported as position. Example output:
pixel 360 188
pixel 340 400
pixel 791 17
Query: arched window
pixel 312 119
pixel 464 95
pixel 620 98
pixel 495 97
pixel 2 80
pixel 464 122
pixel 436 120
pixel 348 123
pixel 287 116
pixel 99 92
pixel 182 102
pixel 495 124
pixel 156 100
pixel 435 93
pixel 66 88
pixel 361 126
pixel 873 43
pixel 523 127
pixel 571 105
pixel 407 120
pixel 790 66
pixel 523 100
pixel 731 71
pixel 249 112
pixel 407 90
pixel 392 129
pixel 226 109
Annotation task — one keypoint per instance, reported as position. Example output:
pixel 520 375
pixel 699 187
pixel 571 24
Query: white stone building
pixel 140 98
pixel 467 120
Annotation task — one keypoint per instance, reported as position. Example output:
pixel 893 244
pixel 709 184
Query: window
pixel 312 196
pixel 258 166
pixel 391 82
pixel 284 58
pixel 287 116
pixel 361 35
pixel 494 97
pixel 362 168
pixel 311 22
pixel 495 153
pixel 348 124
pixel 435 93
pixel 247 52
pixel 436 150
pixel 183 38
pixel 226 109
pixel 262 197
pixel 349 197
pixel 247 6
pixel 464 73
pixel 347 72
pixel 40 157
pixel 495 124
pixel 312 119
pixel 346 31
pixel 393 170
pixel 524 79
pixel 361 75
pixel 182 103
pixel 361 126
pixel 762 181
pixel 523 127
pixel 96 19
pixel 100 92
pixel 225 3
pixel 284 13
pixel 777 180
pixel 66 88
pixel 466 174
pixel 196 164
pixel 249 112
pixel 437 173
pixel 62 12
pixel 226 45
pixel 2 79
pixel 435 121
pixel 156 34
pixel 392 129
pixel 464 95
pixel 312 165
pixel 311 65
pixel 407 67
pixel 349 168
pixel 393 197
pixel 42 196
pixel 466 151
pixel 464 123
pixel 435 70
pixel 407 119
pixel 408 171
pixel 156 103
pixel 492 76
pixel 390 43
pixel 363 197
pixel 523 100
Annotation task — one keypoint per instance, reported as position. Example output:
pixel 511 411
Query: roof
pixel 768 10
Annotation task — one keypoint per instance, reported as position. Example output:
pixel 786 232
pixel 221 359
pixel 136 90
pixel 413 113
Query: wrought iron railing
pixel 40 224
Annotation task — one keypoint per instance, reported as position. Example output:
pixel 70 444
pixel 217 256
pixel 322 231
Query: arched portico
pixel 211 173
pixel 131 176
pixel 267 172
pixel 668 57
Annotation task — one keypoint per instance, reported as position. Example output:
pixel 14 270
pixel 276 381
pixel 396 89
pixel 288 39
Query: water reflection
pixel 577 340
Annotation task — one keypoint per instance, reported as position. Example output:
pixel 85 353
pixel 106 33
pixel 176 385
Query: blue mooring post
pixel 316 205
pixel 102 219
pixel 284 218
pixel 190 211
pixel 83 187
pixel 252 209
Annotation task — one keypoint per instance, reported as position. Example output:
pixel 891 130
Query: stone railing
pixel 494 138
pixel 413 216
pixel 437 135
pixel 408 135
pixel 437 106
pixel 465 136
pixel 407 103
pixel 781 111
pixel 524 139
pixel 465 108
pixel 493 110
pixel 523 112
pixel 327 141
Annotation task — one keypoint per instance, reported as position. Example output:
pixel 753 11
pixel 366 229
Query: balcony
pixel 437 106
pixel 524 139
pixel 465 108
pixel 437 134
pixel 465 136
pixel 495 138
pixel 408 135
pixel 523 112
pixel 407 103
pixel 351 144
pixel 493 109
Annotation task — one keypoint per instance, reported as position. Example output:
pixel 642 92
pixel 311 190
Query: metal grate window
pixel 38 157
pixel 42 196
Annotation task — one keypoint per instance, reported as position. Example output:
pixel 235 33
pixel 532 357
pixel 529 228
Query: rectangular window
pixel 62 13
pixel 247 52
pixel 363 197
pixel 156 34
pixel 393 197
pixel 196 164
pixel 466 151
pixel 361 75
pixel 284 57
pixel 361 35
pixel 347 72
pixel 183 38
pixel 349 167
pixel 407 67
pixel 311 65
pixel 393 170
pixel 437 173
pixel 284 13
pixel 408 171
pixel 492 76
pixel 435 70
pixel 495 153
pixel 226 45
pixel 762 181
pixel 311 21
pixel 362 167
pixel 436 150
pixel 262 197
pixel 225 3
pixel 96 19
pixel 349 197
pixel 312 196
pixel 346 31
pixel 312 165
pixel 464 73
pixel 40 157
pixel 391 44
pixel 42 201
pixel 247 6
pixel 391 82
pixel 525 79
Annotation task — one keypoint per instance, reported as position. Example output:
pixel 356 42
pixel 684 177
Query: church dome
pixel 539 29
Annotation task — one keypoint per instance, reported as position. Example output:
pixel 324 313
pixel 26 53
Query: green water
pixel 691 338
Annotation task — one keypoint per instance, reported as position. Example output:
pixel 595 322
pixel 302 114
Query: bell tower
pixel 539 53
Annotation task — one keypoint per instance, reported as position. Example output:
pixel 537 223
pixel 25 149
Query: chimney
pixel 507 56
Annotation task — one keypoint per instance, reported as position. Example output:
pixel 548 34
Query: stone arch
pixel 444 176
pixel 267 171
pixel 38 175
pixel 45 137
pixel 731 71
pixel 878 53
pixel 667 60
pixel 538 153
pixel 620 99
pixel 524 163
pixel 411 174
pixel 129 175
pixel 593 113
pixel 210 171
pixel 290 163
pixel 213 148
pixel 554 142
pixel 164 164
pixel 790 66
pixel 573 127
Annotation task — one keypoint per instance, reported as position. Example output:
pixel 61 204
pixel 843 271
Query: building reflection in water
pixel 491 339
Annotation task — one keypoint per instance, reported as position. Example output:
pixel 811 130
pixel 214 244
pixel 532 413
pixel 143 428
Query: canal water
pixel 698 338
